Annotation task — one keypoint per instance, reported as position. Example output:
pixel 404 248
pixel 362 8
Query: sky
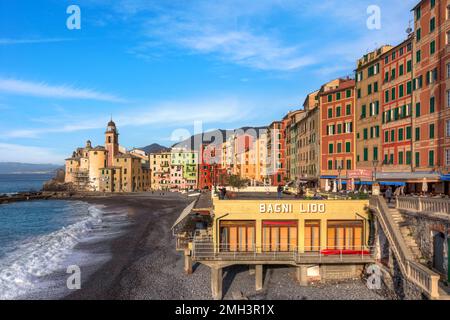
pixel 159 66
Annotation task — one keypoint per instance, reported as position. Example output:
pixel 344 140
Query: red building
pixel 396 108
pixel 337 117
pixel 209 168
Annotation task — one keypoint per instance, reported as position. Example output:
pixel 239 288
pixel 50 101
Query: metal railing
pixel 421 204
pixel 413 271
pixel 207 250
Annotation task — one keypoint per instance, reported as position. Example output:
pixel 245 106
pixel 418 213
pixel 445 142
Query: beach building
pixel 107 168
pixel 276 150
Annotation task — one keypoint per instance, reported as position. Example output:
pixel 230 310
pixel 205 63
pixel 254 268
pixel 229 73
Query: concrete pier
pixel 302 275
pixel 187 262
pixel 259 277
pixel 216 282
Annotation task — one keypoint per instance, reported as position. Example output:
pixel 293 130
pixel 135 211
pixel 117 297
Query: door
pixel 438 252
pixel 312 236
pixel 345 235
pixel 237 236
pixel 279 236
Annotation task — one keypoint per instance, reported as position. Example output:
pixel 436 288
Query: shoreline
pixel 151 216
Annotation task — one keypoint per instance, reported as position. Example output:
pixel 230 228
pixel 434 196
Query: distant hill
pixel 17 167
pixel 215 136
pixel 154 148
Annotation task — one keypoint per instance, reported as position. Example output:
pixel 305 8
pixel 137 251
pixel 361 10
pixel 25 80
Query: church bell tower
pixel 111 142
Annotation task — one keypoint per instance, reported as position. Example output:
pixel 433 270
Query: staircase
pixel 405 248
pixel 406 234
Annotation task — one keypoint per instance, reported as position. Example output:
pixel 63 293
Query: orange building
pixel 337 117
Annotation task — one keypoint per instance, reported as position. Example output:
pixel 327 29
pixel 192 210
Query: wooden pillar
pixel 259 277
pixel 302 275
pixel 216 283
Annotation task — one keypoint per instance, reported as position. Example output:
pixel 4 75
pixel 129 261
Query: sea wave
pixel 22 270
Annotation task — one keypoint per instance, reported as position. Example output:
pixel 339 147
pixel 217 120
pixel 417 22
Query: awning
pixel 445 177
pixel 392 183
pixel 184 214
pixel 328 177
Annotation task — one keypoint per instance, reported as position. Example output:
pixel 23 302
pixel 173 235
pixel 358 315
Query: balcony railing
pixel 212 252
pixel 420 204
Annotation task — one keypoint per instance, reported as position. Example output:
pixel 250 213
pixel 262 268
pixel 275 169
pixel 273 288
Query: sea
pixel 41 241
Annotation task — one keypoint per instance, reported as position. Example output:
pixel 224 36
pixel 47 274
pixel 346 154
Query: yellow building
pixel 108 168
pixel 160 165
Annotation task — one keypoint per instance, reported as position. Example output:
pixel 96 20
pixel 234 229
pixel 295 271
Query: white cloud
pixel 28 154
pixel 42 89
pixel 163 114
pixel 7 41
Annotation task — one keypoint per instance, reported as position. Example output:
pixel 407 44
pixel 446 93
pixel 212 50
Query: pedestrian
pixel 388 194
pixel 279 191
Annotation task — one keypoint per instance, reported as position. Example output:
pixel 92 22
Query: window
pixel 448 98
pixel 338 96
pixel 393 94
pixel 431 158
pixel 348 127
pixel 393 74
pixel 418 34
pixel 330 148
pixel 363 111
pixel 330 113
pixel 359 93
pixel 447 157
pixel 409 66
pixel 432 104
pixel 418 56
pixel 386 96
pixel 330 164
pixel 432 47
pixel 400 157
pixel 448 70
pixel 401 70
pixel 330 98
pixel 347 147
pixel 408 133
pixel 447 37
pixel 432 131
pixel 369 89
pixel 338 111
pixel 432 24
pixel 448 128
pixel 348 109
pixel 418 13
pixel 408 157
pixel 417 159
pixel 365 134
pixel 401 90
pixel 366 154
pixel 375 87
pixel 417 109
pixel 375 153
pixel 348 93
pixel 392 135
pixel 339 128
pixel 417 133
pixel 400 134
pixel 349 164
pixel 386 136
pixel 432 3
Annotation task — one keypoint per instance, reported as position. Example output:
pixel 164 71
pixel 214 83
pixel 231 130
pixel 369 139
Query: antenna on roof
pixel 409 29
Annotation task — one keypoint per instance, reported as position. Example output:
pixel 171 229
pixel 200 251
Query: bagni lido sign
pixel 291 208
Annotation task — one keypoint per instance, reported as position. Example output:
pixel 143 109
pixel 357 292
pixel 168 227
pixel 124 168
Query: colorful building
pixel 184 169
pixel 160 166
pixel 337 118
pixel 276 149
pixel 396 110
pixel 368 118
pixel 108 168
pixel 431 97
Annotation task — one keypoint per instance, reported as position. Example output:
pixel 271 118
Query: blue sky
pixel 158 66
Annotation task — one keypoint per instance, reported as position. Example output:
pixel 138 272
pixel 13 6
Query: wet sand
pixel 151 218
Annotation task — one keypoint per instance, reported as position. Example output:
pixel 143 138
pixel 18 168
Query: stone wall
pixel 423 230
